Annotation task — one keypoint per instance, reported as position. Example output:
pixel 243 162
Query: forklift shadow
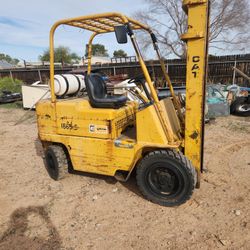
pixel 108 179
pixel 39 148
pixel 130 184
pixel 21 235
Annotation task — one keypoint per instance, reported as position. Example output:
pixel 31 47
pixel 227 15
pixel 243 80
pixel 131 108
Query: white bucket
pixel 67 84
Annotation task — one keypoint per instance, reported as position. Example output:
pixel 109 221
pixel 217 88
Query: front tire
pixel 56 162
pixel 166 177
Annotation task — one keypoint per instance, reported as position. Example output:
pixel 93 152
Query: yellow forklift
pixel 110 135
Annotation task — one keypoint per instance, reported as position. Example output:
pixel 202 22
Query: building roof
pixel 5 65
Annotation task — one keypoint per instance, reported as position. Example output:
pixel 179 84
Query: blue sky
pixel 25 25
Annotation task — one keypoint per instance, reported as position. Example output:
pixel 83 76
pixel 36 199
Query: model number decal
pixel 195 67
pixel 69 126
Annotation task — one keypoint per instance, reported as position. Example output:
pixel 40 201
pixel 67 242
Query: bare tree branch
pixel 228 24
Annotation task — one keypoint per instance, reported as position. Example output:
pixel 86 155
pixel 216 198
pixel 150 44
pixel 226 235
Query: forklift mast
pixel 196 74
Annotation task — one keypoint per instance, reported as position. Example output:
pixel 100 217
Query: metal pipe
pixel 167 78
pixel 52 59
pixel 234 71
pixel 90 51
pixel 241 73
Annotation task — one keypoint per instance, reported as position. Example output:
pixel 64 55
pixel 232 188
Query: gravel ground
pixel 94 212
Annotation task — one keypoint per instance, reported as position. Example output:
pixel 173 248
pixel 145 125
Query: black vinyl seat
pixel 97 92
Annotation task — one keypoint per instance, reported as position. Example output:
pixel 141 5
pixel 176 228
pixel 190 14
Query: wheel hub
pixel 244 108
pixel 163 181
pixel 166 181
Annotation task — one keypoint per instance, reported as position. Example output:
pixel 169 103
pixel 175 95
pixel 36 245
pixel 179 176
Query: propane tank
pixel 68 84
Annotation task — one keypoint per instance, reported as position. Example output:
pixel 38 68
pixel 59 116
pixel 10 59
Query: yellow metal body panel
pixel 76 117
pixel 196 38
pixel 94 155
pixel 171 114
pixel 46 117
pixel 107 149
pixel 150 130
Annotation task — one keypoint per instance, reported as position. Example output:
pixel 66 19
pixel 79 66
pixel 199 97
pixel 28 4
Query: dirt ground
pixel 93 212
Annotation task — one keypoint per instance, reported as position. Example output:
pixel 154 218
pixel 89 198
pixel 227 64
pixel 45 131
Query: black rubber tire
pixel 234 107
pixel 177 174
pixel 56 162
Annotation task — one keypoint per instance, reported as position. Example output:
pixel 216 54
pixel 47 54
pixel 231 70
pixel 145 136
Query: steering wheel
pixel 139 78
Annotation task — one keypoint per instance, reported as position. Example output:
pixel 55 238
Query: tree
pixel 119 53
pixel 62 54
pixel 97 50
pixel 8 59
pixel 229 21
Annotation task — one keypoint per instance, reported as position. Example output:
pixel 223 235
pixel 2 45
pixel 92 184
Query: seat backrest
pixel 97 93
pixel 96 87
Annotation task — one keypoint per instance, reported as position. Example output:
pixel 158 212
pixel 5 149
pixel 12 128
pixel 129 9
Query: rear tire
pixel 56 162
pixel 240 106
pixel 166 177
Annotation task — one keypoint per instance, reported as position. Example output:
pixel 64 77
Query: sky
pixel 25 25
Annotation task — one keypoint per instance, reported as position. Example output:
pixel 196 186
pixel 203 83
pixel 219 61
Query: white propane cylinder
pixel 67 84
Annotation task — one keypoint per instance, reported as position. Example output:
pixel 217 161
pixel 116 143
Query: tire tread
pixel 61 159
pixel 175 156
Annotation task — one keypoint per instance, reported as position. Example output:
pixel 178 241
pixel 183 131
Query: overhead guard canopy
pixel 102 23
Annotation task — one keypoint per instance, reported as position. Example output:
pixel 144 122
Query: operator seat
pixel 97 92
